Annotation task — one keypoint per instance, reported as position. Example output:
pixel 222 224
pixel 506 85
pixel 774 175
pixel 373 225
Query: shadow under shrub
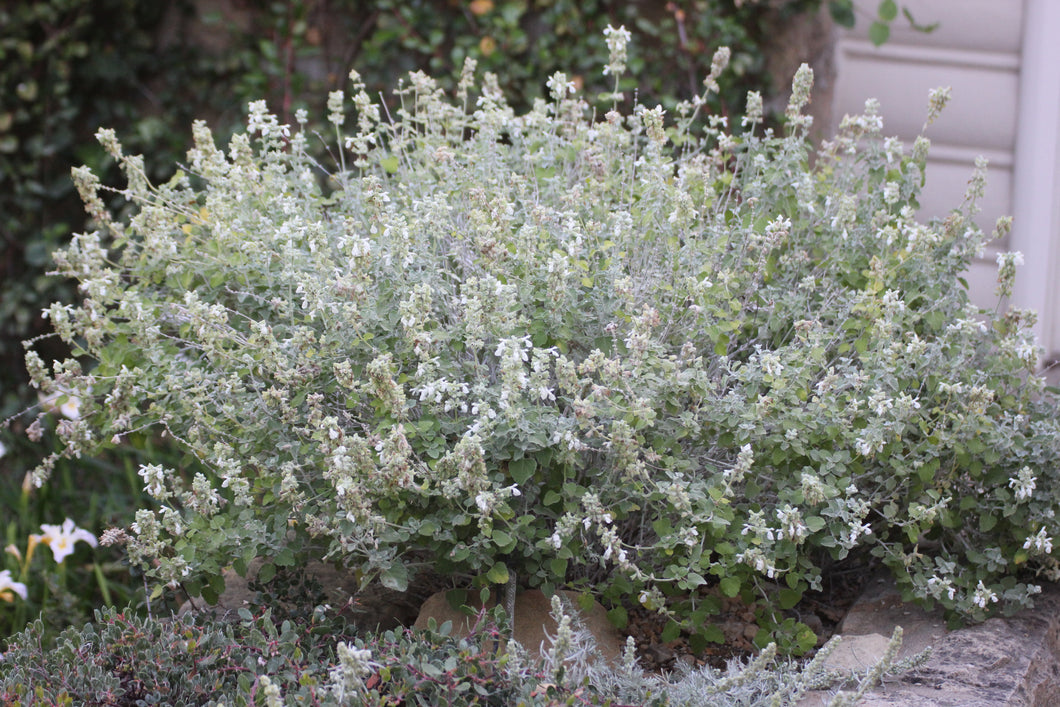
pixel 636 356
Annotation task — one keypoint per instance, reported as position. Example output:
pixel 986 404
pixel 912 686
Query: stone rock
pixel 1002 662
pixel 533 620
pixel 857 653
pixel 880 609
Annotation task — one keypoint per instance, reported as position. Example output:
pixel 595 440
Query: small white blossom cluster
pixel 1006 271
pixel 617 41
pixel 346 680
pixel 1023 484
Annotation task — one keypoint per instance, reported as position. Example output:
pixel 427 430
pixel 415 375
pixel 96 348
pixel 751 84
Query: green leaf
pixel 522 470
pixel 671 632
pixel 662 527
pixel 498 574
pixel 842 12
pixel 708 633
pixel 212 591
pixel 805 638
pixel 694 579
pixel 926 29
pixel 558 566
pixel 987 522
pixel 815 523
pixel 730 586
pixel 887 11
pixel 502 538
pixel 267 572
pixel 879 33
pixel 396 578
pixel 789 598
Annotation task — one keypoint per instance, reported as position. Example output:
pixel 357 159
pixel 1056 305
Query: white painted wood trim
pixel 962 155
pixel 943 56
pixel 1036 197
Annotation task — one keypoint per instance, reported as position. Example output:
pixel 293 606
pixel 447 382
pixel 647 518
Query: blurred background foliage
pixel 147 69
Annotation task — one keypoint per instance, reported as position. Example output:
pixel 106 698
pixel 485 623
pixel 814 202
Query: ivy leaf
pixel 926 29
pixel 842 12
pixel 879 33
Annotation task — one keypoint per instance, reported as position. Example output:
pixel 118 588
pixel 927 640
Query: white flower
pixel 154 478
pixel 61 539
pixel 559 86
pixel 983 596
pixel 1041 543
pixel 937 587
pixel 9 587
pixel 1012 258
pixel 791 524
pixel 1023 483
pixel 64 402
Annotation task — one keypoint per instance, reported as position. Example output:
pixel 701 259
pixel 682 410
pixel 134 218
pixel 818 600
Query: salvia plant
pixel 591 345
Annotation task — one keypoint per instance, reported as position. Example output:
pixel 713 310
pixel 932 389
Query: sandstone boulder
pixel 533 622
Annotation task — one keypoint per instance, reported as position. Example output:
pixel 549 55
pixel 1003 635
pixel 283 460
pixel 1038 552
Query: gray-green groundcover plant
pixel 124 659
pixel 665 359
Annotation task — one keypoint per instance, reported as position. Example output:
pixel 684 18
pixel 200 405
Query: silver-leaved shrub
pixel 649 354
